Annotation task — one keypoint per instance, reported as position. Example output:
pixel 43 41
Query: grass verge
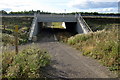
pixel 101 45
pixel 26 64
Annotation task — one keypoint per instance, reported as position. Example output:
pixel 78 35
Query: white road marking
pixel 55 37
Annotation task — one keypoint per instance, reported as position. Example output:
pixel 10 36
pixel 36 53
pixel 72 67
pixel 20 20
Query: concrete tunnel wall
pixel 40 26
pixel 73 27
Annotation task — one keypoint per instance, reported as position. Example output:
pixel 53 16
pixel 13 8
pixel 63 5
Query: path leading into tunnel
pixel 67 62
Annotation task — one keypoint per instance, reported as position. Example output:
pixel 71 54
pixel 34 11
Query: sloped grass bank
pixel 26 64
pixel 101 45
pixel 101 23
pixel 8 36
pixel 8 28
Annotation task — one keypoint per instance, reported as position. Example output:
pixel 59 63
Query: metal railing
pixel 33 26
pixel 83 22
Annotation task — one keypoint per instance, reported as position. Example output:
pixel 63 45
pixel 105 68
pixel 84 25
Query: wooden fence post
pixel 16 39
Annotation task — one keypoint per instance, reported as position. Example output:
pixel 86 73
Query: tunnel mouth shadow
pixel 54 34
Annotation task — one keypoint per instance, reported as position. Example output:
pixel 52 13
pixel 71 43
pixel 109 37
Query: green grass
pixel 8 32
pixel 8 36
pixel 101 23
pixel 11 22
pixel 7 39
pixel 26 64
pixel 57 25
pixel 101 45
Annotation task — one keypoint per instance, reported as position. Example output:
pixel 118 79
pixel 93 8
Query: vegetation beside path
pixel 101 45
pixel 26 64
pixel 30 60
pixel 8 28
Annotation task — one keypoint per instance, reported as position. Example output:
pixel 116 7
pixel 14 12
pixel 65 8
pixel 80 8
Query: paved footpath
pixel 70 63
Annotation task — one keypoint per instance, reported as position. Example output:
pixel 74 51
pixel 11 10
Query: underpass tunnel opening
pixel 58 26
pixel 62 30
pixel 71 27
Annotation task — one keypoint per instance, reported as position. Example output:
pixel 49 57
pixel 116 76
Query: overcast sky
pixel 60 6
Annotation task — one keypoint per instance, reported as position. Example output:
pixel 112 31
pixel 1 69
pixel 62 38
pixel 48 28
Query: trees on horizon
pixel 31 12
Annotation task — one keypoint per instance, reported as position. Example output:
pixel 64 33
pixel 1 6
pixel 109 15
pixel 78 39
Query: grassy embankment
pixel 8 30
pixel 28 62
pixel 101 45
pixel 101 23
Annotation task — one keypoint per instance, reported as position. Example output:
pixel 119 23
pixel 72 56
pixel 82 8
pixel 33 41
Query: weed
pixel 101 45
pixel 26 64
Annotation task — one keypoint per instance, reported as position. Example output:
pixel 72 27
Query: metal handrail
pixel 32 26
pixel 84 22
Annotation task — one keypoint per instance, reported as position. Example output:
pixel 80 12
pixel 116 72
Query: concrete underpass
pixel 73 23
pixel 48 34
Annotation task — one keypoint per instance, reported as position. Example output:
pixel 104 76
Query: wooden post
pixel 4 27
pixel 16 39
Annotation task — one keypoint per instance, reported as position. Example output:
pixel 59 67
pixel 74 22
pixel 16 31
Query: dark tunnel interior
pixel 70 27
